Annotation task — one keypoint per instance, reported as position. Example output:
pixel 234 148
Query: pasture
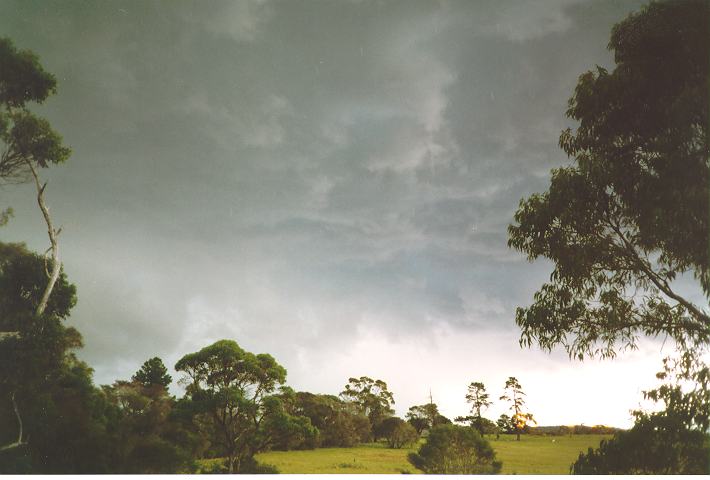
pixel 532 455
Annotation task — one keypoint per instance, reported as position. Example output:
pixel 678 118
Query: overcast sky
pixel 329 182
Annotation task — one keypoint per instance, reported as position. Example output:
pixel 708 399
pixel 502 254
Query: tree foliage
pixel 673 440
pixel 28 139
pixel 630 214
pixel 402 435
pixel 337 425
pixel 146 439
pixel 451 449
pixel 479 400
pixel 52 419
pixel 425 417
pixel 153 372
pixel 505 424
pixel 231 391
pixel 514 394
pixel 626 219
pixel 482 424
pixel 371 398
pixel 28 143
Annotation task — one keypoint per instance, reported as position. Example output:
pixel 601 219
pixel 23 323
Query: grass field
pixel 531 455
pixel 535 454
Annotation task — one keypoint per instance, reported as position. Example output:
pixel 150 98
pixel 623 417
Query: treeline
pixel 53 419
pixel 559 430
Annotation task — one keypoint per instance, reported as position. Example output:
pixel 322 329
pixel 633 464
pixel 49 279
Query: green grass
pixel 531 455
pixel 535 454
pixel 368 458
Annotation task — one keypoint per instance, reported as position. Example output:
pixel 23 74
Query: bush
pixel 659 445
pixel 452 449
pixel 385 427
pixel 403 435
pixel 248 466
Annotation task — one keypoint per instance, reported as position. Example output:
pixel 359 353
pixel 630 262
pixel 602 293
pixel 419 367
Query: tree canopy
pixel 51 417
pixel 479 400
pixel 627 219
pixel 27 143
pixel 22 78
pixel 514 394
pixel 153 372
pixel 630 214
pixel 371 397
pixel 230 389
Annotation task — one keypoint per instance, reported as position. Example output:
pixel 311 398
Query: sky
pixel 329 182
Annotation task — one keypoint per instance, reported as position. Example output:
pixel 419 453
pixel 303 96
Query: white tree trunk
pixel 53 251
pixel 20 440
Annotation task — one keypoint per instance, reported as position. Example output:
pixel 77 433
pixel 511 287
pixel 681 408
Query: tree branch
pixel 19 441
pixel 656 279
pixel 54 246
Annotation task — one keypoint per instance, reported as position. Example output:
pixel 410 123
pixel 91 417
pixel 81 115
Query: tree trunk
pixel 53 248
pixel 19 441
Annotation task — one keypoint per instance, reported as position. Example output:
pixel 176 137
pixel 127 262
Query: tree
pixel 401 435
pixel 673 440
pixel 663 442
pixel 419 423
pixel 397 432
pixel 231 388
pixel 514 394
pixel 28 142
pixel 482 424
pixel 38 351
pixel 153 372
pixel 478 398
pixel 370 397
pixel 451 449
pixel 425 417
pixel 654 446
pixel 505 424
pixel 337 425
pixel 631 213
pixel 292 431
pixel 145 438
pixel 52 418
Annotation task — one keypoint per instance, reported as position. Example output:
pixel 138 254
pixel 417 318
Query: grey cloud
pixel 293 174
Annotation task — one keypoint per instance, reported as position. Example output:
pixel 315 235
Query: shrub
pixel 452 449
pixel 248 466
pixel 658 445
pixel 403 435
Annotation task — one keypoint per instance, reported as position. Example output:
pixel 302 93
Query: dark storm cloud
pixel 291 174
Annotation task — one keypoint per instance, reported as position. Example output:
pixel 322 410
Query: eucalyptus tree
pixel 52 418
pixel 370 397
pixel 28 143
pixel 630 215
pixel 232 390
